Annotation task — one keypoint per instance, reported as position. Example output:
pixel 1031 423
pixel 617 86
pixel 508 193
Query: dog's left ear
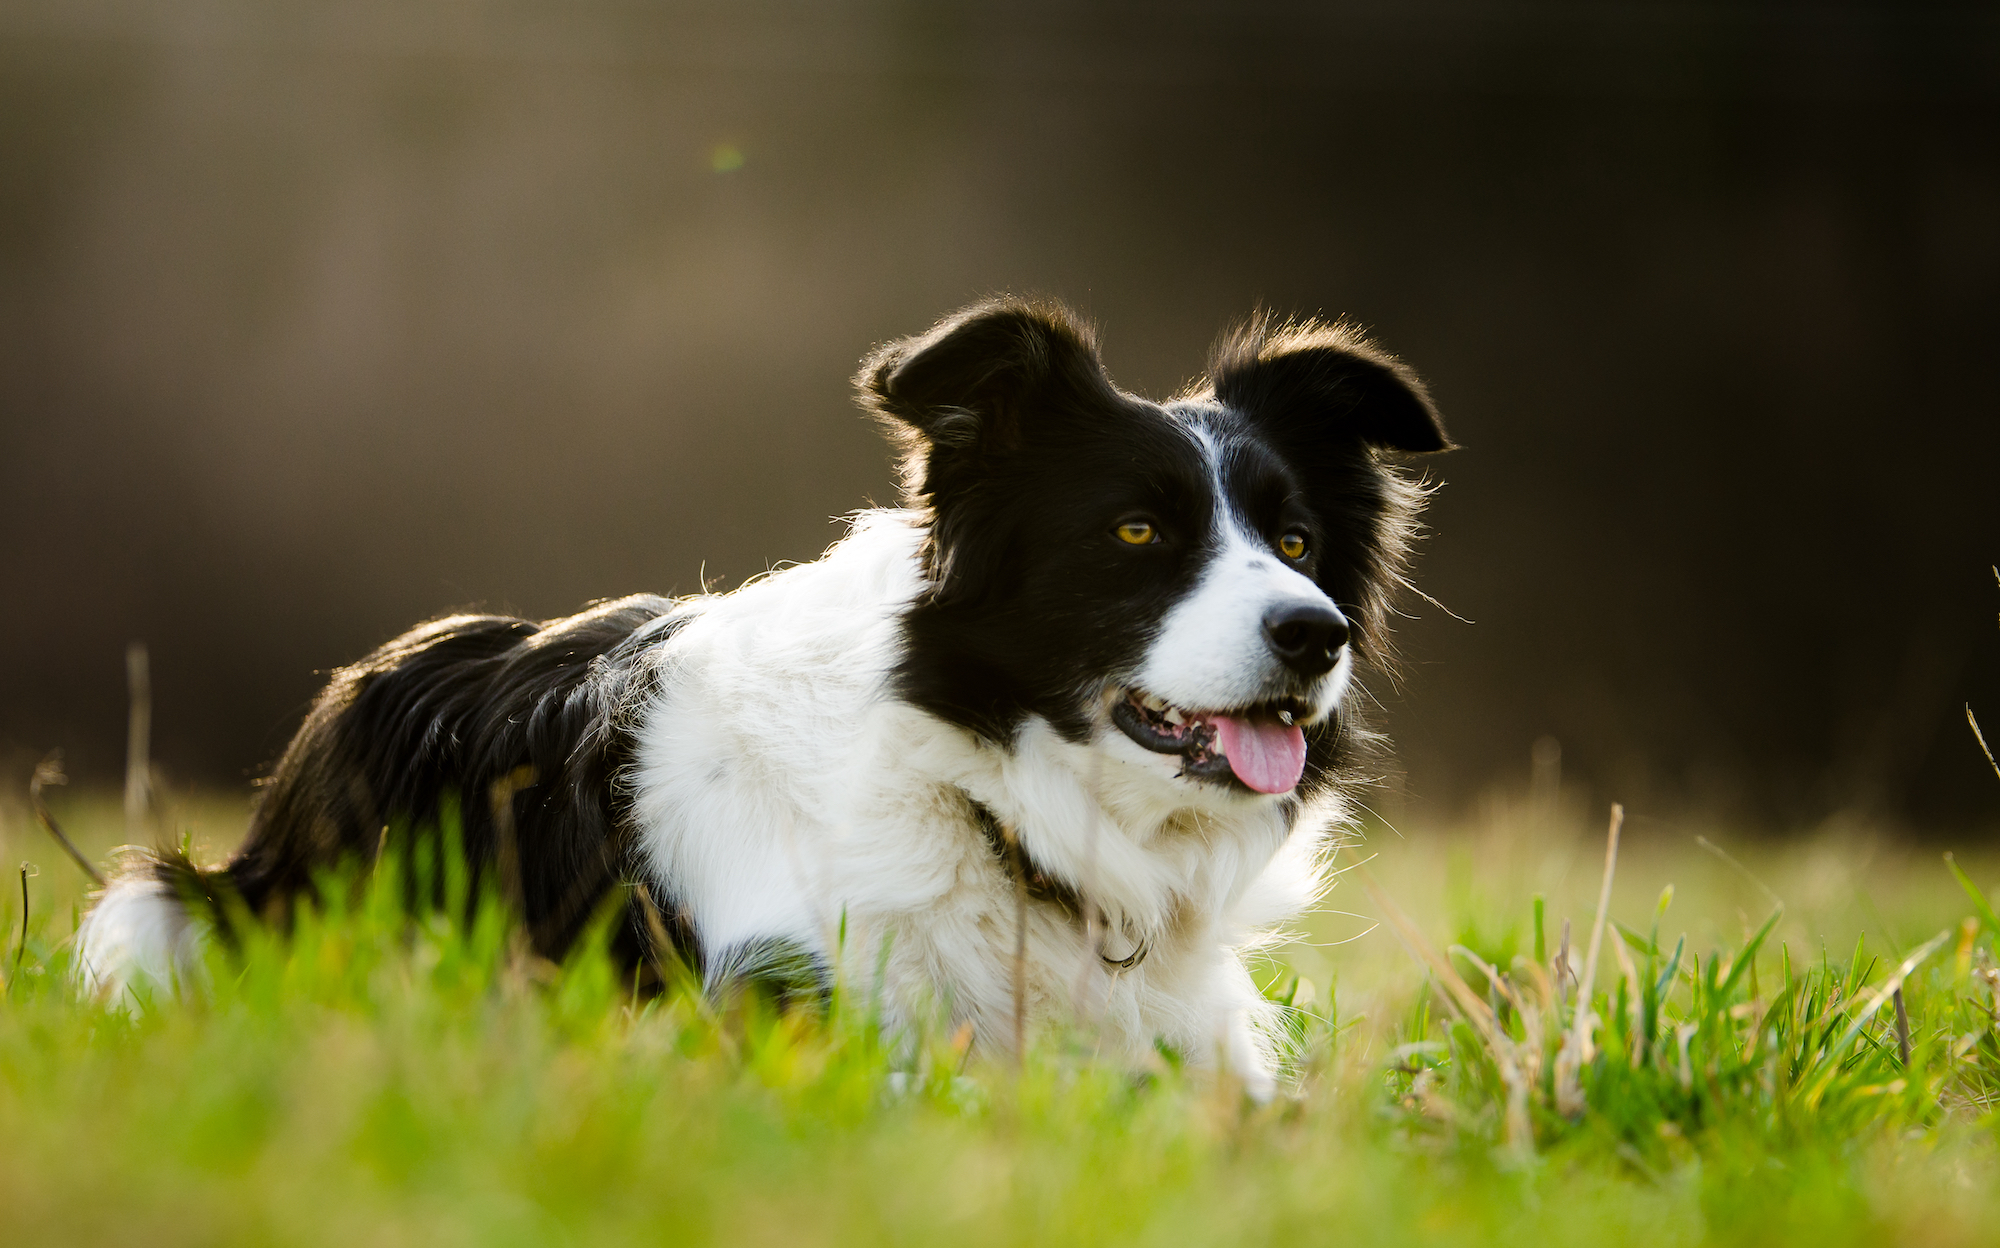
pixel 1315 382
pixel 978 385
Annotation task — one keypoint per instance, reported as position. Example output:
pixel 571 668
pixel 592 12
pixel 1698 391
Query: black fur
pixel 524 727
pixel 1025 455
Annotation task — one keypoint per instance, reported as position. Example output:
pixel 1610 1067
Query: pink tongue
pixel 1269 757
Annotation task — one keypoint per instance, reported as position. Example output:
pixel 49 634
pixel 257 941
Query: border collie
pixel 1063 736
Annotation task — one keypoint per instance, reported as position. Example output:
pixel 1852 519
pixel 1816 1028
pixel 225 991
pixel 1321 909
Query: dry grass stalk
pixel 500 798
pixel 1564 972
pixel 1507 1055
pixel 138 740
pixel 659 944
pixel 1974 722
pixel 1520 1062
pixel 1631 974
pixel 1902 1030
pixel 1577 1047
pixel 50 771
pixel 1981 738
pixel 21 950
pixel 1020 943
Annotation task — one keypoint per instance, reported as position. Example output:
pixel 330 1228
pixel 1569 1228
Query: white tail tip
pixel 137 941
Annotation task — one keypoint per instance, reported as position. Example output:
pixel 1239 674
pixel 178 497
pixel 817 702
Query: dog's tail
pixel 149 932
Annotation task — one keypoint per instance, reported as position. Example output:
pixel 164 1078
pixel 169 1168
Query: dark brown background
pixel 318 319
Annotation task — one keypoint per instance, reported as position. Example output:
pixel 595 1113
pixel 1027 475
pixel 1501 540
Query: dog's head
pixel 1183 585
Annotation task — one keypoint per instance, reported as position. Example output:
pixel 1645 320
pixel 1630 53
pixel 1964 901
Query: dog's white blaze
pixel 1210 652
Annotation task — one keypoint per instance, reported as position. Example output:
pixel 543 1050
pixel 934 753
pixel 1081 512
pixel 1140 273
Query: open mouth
pixel 1263 746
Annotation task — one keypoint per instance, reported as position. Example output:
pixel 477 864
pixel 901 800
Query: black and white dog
pixel 1086 691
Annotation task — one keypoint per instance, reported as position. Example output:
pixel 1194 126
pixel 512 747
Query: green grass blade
pixel 1748 956
pixel 1666 983
pixel 1857 971
pixel 1636 942
pixel 1541 941
pixel 1982 907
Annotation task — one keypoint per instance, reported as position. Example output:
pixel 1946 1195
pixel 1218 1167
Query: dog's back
pixel 489 736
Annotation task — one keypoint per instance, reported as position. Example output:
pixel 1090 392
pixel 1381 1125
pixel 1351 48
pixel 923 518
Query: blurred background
pixel 319 319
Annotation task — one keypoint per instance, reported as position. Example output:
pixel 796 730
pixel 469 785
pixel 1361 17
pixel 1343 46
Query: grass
pixel 380 1081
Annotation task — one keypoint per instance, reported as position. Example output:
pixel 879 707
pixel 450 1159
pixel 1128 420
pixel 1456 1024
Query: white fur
pixel 1211 654
pixel 137 941
pixel 783 792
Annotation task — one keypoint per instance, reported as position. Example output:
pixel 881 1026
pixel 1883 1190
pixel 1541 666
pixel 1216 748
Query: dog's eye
pixel 1138 532
pixel 1292 545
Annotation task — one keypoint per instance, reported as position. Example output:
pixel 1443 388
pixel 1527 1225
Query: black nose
pixel 1306 638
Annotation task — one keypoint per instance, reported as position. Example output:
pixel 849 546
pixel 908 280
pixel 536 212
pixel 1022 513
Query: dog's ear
pixel 1312 382
pixel 977 384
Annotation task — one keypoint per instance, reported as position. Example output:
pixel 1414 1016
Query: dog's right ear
pixel 976 386
pixel 1312 385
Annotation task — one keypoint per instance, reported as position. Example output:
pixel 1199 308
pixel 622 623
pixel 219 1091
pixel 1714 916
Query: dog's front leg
pixel 1248 1059
pixel 1243 1031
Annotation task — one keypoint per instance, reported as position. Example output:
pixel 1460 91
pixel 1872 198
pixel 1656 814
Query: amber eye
pixel 1138 532
pixel 1293 545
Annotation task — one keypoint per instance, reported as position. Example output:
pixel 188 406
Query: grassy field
pixel 381 1082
